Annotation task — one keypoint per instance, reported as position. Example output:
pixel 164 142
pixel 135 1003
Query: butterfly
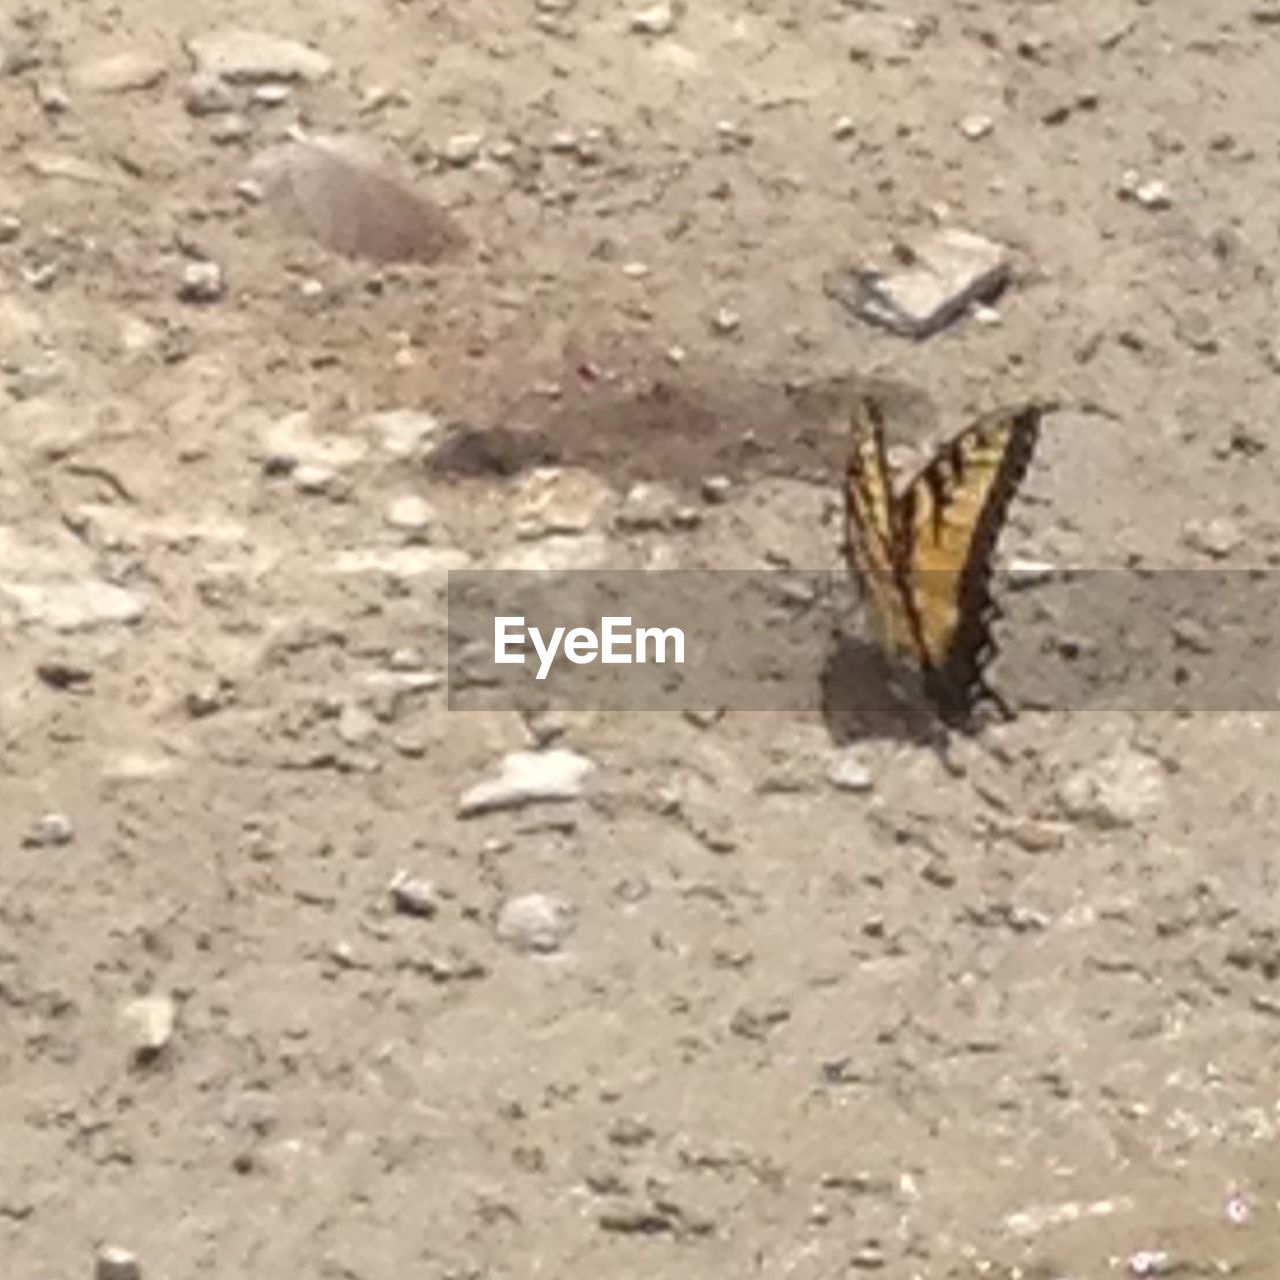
pixel 922 552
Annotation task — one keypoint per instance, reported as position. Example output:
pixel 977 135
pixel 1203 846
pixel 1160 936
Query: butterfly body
pixel 923 552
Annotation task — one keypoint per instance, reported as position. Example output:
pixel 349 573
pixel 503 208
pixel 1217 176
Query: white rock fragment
pixel 314 478
pixel 530 777
pixel 535 922
pixel 118 73
pixel 201 282
pixel 647 505
pixel 10 228
pixel 463 149
pixel 49 831
pixel 1150 193
pixel 655 20
pixel 1216 538
pixel 410 513
pixel 946 275
pixel 1119 791
pixel 976 127
pixel 271 95
pixel 242 56
pixel 414 896
pixel 115 1263
pixel 726 321
pixel 849 773
pixel 150 1022
pixel 844 128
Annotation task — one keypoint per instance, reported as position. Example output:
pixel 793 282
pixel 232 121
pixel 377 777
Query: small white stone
pixel 976 127
pixel 635 270
pixel 848 773
pixel 314 477
pixel 414 896
pixel 656 20
pixel 272 95
pixel 1153 195
pixel 410 513
pixel 716 489
pixel 528 777
pixel 150 1021
pixel 463 148
pixel 10 228
pixel 50 831
pixel 115 1263
pixel 201 282
pixel 844 128
pixel 726 321
pixel 537 922
pixel 1216 538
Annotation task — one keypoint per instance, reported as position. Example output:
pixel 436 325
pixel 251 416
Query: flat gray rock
pixel 940 279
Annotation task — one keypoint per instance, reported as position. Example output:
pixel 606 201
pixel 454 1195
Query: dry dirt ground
pixel 1015 1018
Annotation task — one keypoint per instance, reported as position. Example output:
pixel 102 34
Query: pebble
pixel 848 773
pixel 950 271
pixel 716 489
pixel 656 20
pixel 314 477
pixel 201 282
pixel 271 95
pixel 414 896
pixel 1119 791
pixel 1216 538
pixel 119 73
pixel 528 777
pixel 1149 193
pixel 647 505
pixel 976 127
pixel 410 513
pixel 243 56
pixel 53 98
pixel 463 149
pixel 726 321
pixel 535 922
pixel 115 1263
pixel 208 95
pixel 10 228
pixel 560 500
pixel 50 831
pixel 843 128
pixel 150 1021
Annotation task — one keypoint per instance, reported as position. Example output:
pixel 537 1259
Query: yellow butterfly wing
pixel 930 545
pixel 873 532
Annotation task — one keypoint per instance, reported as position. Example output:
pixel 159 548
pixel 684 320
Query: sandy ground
pixel 1015 1019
